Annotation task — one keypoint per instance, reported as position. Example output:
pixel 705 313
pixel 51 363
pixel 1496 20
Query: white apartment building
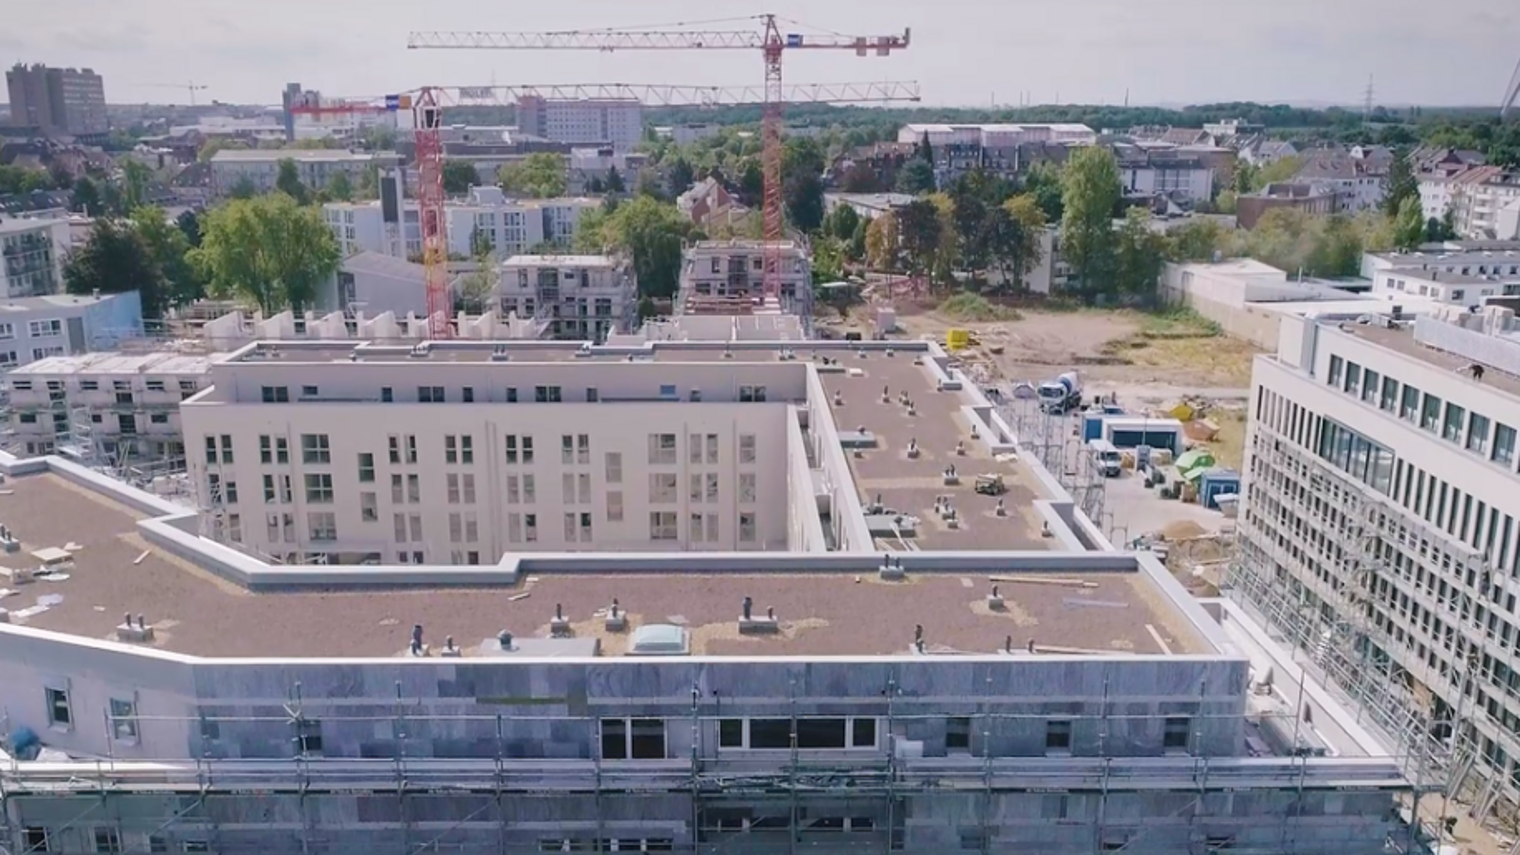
pixel 508 226
pixel 33 328
pixel 728 277
pixel 579 297
pixel 1180 179
pixel 998 135
pixel 316 167
pixel 310 454
pixel 113 407
pixel 31 256
pixel 1458 277
pixel 1381 519
pixel 1485 203
pixel 618 122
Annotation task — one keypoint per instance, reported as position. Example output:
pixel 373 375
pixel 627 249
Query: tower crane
pixel 767 38
pixel 427 106
pixel 1511 94
pixel 192 87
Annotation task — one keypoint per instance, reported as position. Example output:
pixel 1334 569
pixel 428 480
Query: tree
pixel 288 181
pixel 459 176
pixel 828 260
pixel 1400 185
pixel 858 239
pixel 268 250
pixel 243 188
pixel 379 138
pixel 681 175
pixel 114 260
pixel 841 222
pixel 650 231
pixel 802 182
pixel 882 243
pixel 1196 240
pixel 1441 228
pixel 915 178
pixel 477 286
pixel 1409 224
pixel 1090 191
pixel 924 151
pixel 87 197
pixel 1014 238
pixel 649 184
pixel 1139 254
pixel 1277 171
pixel 920 231
pixel 1244 179
pixel 135 177
pixel 1043 182
pixel 540 175
pixel 340 188
pixel 615 183
pixel 169 249
pixel 190 224
pixel 860 178
pixel 752 181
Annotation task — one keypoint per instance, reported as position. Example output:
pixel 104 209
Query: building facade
pixel 578 297
pixel 486 220
pixel 316 167
pixel 617 122
pixel 728 277
pixel 57 101
pixel 33 328
pixel 31 256
pixel 1378 526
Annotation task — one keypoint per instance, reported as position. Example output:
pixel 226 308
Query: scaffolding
pixel 1332 618
pixel 1056 441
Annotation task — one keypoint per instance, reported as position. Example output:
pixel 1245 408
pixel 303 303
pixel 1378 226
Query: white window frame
pixel 849 732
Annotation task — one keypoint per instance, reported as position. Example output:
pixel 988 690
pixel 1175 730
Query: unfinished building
pixel 1378 532
pixel 913 664
pixel 727 278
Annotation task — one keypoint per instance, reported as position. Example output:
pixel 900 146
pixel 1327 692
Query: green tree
pixel 860 178
pixel 459 176
pixel 858 239
pixel 614 181
pixel 243 188
pixel 924 151
pixel 751 181
pixel 915 178
pixel 1043 182
pixel 135 177
pixel 1014 241
pixel 114 260
pixel 1196 240
pixel 802 164
pixel 1277 171
pixel 1400 185
pixel 340 188
pixel 841 222
pixel 921 231
pixel 883 245
pixel 189 224
pixel 169 249
pixel 1090 192
pixel 268 250
pixel 287 180
pixel 1409 224
pixel 828 259
pixel 647 308
pixel 540 175
pixel 87 197
pixel 681 175
pixel 650 231
pixel 379 138
pixel 478 285
pixel 1443 228
pixel 1244 179
pixel 1139 254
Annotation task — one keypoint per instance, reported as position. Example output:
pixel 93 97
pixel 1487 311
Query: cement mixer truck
pixel 1061 394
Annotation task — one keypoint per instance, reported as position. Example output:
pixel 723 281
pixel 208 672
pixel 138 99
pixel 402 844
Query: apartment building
pixel 31 255
pixel 57 101
pixel 316 167
pixel 1165 172
pixel 704 698
pixel 1379 521
pixel 1459 277
pixel 33 328
pixel 487 219
pixel 579 297
pixel 1358 183
pixel 617 122
pixel 728 277
pixel 108 407
pixel 1485 203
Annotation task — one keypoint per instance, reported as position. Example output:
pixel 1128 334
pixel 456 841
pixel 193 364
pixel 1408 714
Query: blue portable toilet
pixel 1092 425
pixel 1217 482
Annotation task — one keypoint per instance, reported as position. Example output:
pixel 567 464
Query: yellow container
pixel 957 339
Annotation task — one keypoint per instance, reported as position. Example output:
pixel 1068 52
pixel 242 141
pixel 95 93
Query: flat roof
pixel 313 155
pixel 1402 341
pixel 158 362
pixel 824 613
pixel 54 301
pixel 541 260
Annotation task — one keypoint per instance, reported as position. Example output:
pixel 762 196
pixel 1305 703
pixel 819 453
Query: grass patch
pixel 966 306
pixel 1177 322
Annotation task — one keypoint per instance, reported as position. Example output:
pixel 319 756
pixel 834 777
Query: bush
pixel 966 306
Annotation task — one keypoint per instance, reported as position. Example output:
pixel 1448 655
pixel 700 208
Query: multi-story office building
pixel 580 297
pixel 110 408
pixel 1459 276
pixel 57 101
pixel 728 662
pixel 33 328
pixel 616 122
pixel 1379 524
pixel 316 167
pixel 31 255
pixel 728 277
pixel 488 219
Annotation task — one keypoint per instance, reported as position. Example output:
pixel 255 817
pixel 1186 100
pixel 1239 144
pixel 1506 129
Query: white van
pixel 1106 457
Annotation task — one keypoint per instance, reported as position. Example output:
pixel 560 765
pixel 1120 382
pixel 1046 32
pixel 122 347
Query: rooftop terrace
pixel 1402 341
pixel 1104 604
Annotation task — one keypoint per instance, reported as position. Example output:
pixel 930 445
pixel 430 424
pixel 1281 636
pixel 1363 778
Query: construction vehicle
pixel 1062 394
pixel 1106 457
pixel 990 484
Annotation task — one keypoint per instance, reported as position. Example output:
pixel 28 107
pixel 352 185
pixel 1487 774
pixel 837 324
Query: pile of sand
pixel 1182 530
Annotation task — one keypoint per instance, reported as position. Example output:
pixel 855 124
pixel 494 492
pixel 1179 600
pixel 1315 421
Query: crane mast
pixel 768 39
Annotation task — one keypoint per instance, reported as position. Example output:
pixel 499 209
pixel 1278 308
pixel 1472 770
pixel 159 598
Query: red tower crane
pixel 768 39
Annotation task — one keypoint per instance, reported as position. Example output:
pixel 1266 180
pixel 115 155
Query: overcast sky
pixel 964 52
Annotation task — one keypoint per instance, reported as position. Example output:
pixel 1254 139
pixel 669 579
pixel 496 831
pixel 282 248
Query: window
pixel 35 838
pixel 614 467
pixel 591 395
pixel 58 711
pixel 387 395
pixel 1370 380
pixel 747 489
pixel 1430 414
pixel 323 525
pixel 662 488
pixel 319 488
pixel 308 391
pixel 747 529
pixel 309 737
pixel 366 467
pixel 124 719
pixel 107 840
pixel 662 449
pixel 582 449
pixel 567 449
pixel 546 394
pixel 411 449
pixel 281 450
pixel 633 739
pixel 1390 395
pixel 1177 733
pixel 662 525
pixel 751 394
pixel 398 493
pixel 1504 444
pixel 746 448
pixel 467 394
pixel 413 488
pixel 1455 416
pixel 615 506
pixel 158 418
pixel 430 395
pixel 266 449
pixel 155 385
pixel 530 527
pixel 1337 366
pixel 1409 408
pixel 315 448
pixel 369 507
pixel 1057 736
pixel 511 394
pixel 393 443
pixel 52 326
pixel 958 733
pixel 7 331
pixel 1477 434
pixel 275 394
pixel 459 449
pixel 817 734
pixel 268 489
pixel 1353 378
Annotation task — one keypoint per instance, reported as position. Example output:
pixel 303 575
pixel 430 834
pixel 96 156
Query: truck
pixel 1061 394
pixel 1106 458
